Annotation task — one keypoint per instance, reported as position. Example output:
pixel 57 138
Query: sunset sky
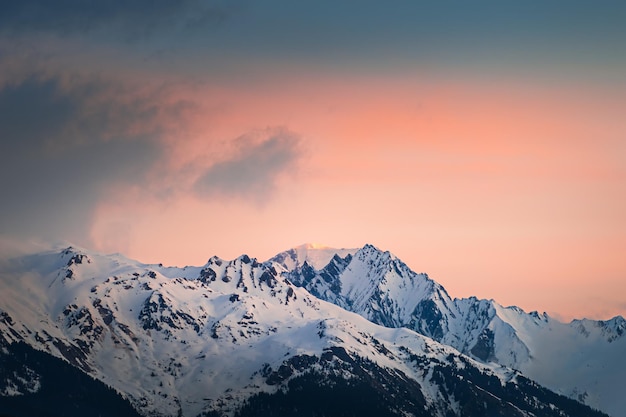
pixel 483 143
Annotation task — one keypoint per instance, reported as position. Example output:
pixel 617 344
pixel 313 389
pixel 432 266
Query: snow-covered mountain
pixel 582 359
pixel 235 337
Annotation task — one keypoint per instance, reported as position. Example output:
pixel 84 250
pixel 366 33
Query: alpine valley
pixel 313 331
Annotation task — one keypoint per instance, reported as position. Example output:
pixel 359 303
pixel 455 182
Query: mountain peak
pixel 315 254
pixel 369 246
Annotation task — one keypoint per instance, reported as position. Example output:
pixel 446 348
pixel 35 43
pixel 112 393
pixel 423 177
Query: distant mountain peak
pixel 315 255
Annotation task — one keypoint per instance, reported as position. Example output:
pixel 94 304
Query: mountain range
pixel 311 331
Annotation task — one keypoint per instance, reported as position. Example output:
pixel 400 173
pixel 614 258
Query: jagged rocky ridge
pixel 236 336
pixel 582 359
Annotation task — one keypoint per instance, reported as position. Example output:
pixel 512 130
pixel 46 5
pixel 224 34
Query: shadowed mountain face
pixel 381 288
pixel 246 338
pixel 35 383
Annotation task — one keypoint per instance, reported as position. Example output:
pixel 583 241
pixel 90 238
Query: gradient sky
pixel 481 142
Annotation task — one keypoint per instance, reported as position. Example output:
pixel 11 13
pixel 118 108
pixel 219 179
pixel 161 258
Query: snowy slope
pixel 185 341
pixel 378 286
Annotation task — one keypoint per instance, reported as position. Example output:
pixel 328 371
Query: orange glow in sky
pixel 494 190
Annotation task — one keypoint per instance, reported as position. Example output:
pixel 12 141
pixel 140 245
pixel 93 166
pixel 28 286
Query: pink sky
pixel 482 144
pixel 500 189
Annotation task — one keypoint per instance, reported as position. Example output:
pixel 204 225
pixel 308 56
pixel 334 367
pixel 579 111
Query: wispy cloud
pixel 260 158
pixel 65 143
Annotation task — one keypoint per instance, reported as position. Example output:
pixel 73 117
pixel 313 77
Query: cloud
pixel 132 19
pixel 260 158
pixel 64 144
pixel 41 112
